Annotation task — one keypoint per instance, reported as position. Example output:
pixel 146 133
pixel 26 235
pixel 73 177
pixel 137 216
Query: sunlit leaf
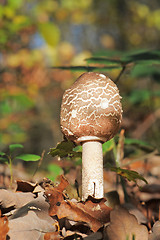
pixel 15 4
pixel 108 146
pixel 2 154
pixel 78 148
pixel 28 157
pixel 13 147
pixel 50 33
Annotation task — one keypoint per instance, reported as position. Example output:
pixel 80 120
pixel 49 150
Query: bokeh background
pixel 38 35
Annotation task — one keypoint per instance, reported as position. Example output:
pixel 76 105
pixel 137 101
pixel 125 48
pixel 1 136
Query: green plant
pixel 54 171
pixel 67 149
pixel 141 63
pixel 9 157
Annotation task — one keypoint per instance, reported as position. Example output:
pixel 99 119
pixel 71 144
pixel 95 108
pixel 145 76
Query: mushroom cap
pixel 91 109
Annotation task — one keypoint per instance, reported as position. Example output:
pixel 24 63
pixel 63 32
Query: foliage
pixel 144 63
pixel 54 171
pixel 130 175
pixel 36 37
pixel 39 34
pixel 9 157
pixel 66 149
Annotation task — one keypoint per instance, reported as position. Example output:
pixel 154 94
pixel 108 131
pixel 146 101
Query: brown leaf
pixel 3 227
pixel 63 184
pixel 38 205
pixel 155 235
pixel 10 199
pixel 24 186
pixel 124 226
pixel 93 211
pixel 52 236
pixel 55 194
pixel 95 214
pixel 72 212
pixel 97 208
pixel 29 227
pixel 136 212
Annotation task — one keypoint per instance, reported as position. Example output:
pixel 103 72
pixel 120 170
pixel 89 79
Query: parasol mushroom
pixel 91 114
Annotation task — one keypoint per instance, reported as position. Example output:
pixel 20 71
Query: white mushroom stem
pixel 92 169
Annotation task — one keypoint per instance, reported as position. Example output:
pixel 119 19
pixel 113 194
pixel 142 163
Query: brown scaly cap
pixel 91 108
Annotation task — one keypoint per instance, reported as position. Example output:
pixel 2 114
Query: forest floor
pixel 40 209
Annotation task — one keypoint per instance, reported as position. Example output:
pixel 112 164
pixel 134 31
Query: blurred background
pixel 37 35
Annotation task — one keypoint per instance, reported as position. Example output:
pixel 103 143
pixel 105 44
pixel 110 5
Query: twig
pixel 120 74
pixel 39 163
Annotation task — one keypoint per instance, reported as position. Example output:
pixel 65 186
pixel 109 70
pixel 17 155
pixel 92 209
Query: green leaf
pixel 13 147
pixel 64 149
pixel 2 154
pixel 28 157
pixel 130 175
pixel 87 68
pixel 5 108
pixel 143 55
pixel 50 33
pixel 139 143
pixel 77 148
pixel 132 141
pixel 3 157
pixel 54 170
pixel 15 4
pixel 108 146
pixel 139 96
pixel 16 103
pixel 144 69
pixel 103 60
pixel 22 102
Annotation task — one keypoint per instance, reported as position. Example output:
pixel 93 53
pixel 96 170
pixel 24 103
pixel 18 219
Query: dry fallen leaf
pixel 29 227
pixel 155 235
pixel 124 226
pixel 97 208
pixel 136 212
pixel 3 227
pixel 52 236
pixel 9 199
pixel 38 205
pixel 93 212
pixel 24 186
pixel 69 210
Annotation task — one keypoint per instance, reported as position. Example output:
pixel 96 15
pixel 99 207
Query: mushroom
pixel 91 114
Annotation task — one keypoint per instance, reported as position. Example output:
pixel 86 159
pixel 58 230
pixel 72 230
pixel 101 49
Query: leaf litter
pixel 45 211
